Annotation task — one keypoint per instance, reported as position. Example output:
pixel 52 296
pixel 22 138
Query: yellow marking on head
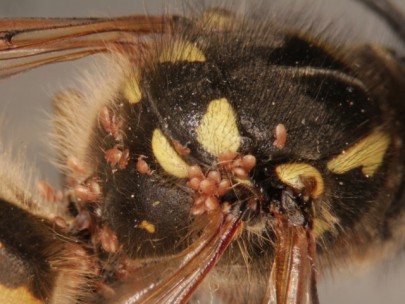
pixel 368 153
pixel 218 132
pixel 167 156
pixel 295 174
pixel 149 227
pixel 17 295
pixel 182 51
pixel 132 89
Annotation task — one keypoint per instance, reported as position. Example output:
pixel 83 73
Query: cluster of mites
pixel 209 186
pixel 89 191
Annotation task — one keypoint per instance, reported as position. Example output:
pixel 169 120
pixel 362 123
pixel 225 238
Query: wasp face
pixel 214 149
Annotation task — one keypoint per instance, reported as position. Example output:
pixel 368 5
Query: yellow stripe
pixel 368 153
pixel 20 295
pixel 320 227
pixel 218 132
pixel 218 20
pixel 182 51
pixel 132 89
pixel 294 173
pixel 167 157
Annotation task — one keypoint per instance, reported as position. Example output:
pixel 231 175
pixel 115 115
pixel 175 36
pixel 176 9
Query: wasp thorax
pixel 214 141
pixel 206 125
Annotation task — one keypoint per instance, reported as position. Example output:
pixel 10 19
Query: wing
pixel 29 43
pixel 293 278
pixel 175 280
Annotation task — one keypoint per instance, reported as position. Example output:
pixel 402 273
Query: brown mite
pixel 124 159
pixel 49 193
pixel 280 135
pixel 142 166
pixel 117 157
pixel 108 239
pixel 110 122
pixel 180 149
pixel 90 191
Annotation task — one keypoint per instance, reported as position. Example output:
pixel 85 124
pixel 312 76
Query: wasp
pixel 210 158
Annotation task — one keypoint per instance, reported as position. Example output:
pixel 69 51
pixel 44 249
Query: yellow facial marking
pixel 167 157
pixel 132 89
pixel 182 51
pixel 17 295
pixel 296 174
pixel 368 153
pixel 218 132
pixel 149 227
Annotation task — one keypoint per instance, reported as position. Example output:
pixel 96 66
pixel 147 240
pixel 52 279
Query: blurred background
pixel 25 104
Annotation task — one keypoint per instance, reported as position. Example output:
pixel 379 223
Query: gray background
pixel 25 105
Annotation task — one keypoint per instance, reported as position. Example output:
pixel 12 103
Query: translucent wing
pixel 174 280
pixel 293 276
pixel 29 43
